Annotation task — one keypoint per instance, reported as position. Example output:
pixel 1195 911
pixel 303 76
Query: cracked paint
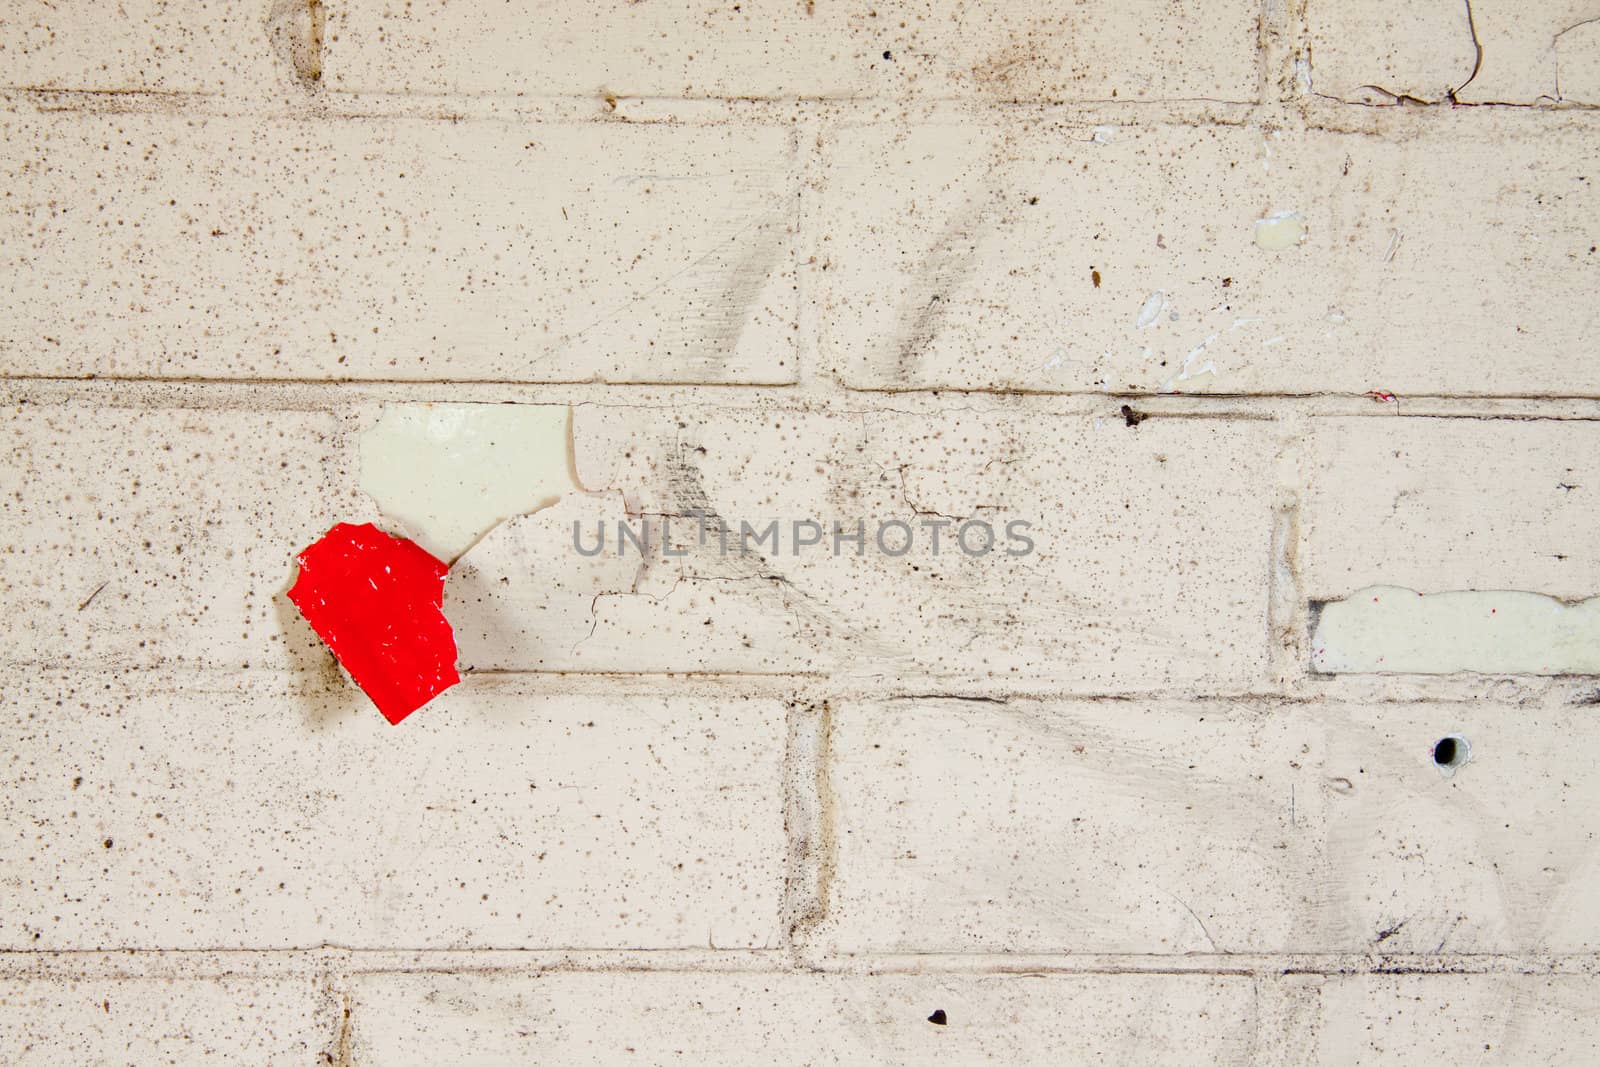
pixel 1391 630
pixel 450 472
pixel 375 599
pixel 1366 52
pixel 1456 51
pixel 1577 62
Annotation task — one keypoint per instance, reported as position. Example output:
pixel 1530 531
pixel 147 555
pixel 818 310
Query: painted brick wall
pixel 913 260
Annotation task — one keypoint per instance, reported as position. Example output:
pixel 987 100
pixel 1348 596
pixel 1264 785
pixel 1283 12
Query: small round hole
pixel 1450 753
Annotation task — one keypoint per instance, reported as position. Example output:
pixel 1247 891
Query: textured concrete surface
pixel 1245 310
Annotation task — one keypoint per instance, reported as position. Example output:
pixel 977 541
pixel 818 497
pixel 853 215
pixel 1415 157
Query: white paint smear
pixel 1389 630
pixel 1150 313
pixel 450 472
pixel 1189 370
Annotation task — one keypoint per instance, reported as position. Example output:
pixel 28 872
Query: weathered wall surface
pixel 1265 317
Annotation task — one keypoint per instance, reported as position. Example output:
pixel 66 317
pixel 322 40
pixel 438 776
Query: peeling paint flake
pixel 451 472
pixel 376 600
pixel 1390 630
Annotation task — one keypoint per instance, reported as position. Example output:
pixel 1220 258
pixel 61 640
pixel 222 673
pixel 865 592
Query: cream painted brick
pixel 161 46
pixel 49 1021
pixel 156 245
pixel 1113 826
pixel 1444 504
pixel 1444 1018
pixel 1150 561
pixel 1430 49
pixel 1032 50
pixel 1450 254
pixel 141 537
pixel 801 1019
pixel 249 814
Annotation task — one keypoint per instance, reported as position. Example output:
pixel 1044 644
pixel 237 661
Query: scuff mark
pixel 90 599
pixel 1284 626
pixel 947 266
pixel 721 288
pixel 1394 245
pixel 808 816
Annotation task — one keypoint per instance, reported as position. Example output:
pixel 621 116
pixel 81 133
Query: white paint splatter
pixel 1150 313
pixel 1189 371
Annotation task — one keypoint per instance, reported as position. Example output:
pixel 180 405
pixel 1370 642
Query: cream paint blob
pixel 1389 630
pixel 451 472
pixel 1281 231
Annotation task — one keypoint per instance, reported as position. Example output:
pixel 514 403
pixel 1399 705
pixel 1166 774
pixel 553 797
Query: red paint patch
pixel 377 601
pixel 1381 396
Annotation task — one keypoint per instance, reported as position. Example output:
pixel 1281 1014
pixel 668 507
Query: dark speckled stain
pixel 295 29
